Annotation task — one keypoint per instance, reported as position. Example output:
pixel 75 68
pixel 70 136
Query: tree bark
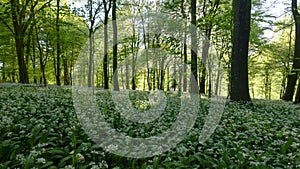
pixel 20 27
pixel 115 46
pixel 58 44
pixel 239 60
pixel 293 76
pixel 105 60
pixel 194 43
pixel 184 85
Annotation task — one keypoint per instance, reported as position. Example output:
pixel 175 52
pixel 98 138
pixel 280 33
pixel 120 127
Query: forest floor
pixel 39 128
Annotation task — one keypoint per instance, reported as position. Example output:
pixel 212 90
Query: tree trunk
pixel 147 52
pixel 19 33
pixel 184 85
pixel 194 43
pixel 162 73
pixel 133 60
pixel 239 64
pixel 58 44
pixel 205 49
pixel 292 77
pixel 218 80
pixel 127 70
pixel 105 59
pixel 66 71
pixel 91 57
pixel 115 46
pixel 91 45
pixel 41 58
pixel 33 61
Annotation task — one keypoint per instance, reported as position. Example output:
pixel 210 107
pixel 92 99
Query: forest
pixel 191 83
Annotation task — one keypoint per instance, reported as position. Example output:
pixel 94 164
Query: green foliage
pixel 39 128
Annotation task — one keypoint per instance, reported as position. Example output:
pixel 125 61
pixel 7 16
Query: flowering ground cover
pixel 39 128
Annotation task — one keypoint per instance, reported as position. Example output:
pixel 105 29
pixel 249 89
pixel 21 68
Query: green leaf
pixel 47 164
pixel 287 145
pixel 63 161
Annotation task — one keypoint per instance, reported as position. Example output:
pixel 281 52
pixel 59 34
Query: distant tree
pixel 239 62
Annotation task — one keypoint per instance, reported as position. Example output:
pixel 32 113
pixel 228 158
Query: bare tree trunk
pixel 105 60
pixel 127 70
pixel 33 59
pixel 239 63
pixel 184 85
pixel 115 46
pixel 58 44
pixel 66 71
pixel 205 49
pixel 293 76
pixel 133 85
pixel 41 57
pixel 194 43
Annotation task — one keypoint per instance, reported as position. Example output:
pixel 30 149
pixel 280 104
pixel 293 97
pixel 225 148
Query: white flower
pixel 103 164
pixel 69 167
pixel 80 157
pixel 34 153
pixel 21 158
pixel 112 147
pixel 41 161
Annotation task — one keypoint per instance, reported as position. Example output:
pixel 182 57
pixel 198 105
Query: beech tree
pixel 21 14
pixel 239 90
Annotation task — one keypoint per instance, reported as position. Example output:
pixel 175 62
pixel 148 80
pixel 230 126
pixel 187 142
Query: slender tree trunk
pixel 91 57
pixel 194 43
pixel 162 73
pixel 41 57
pixel 91 44
pixel 107 6
pixel 127 69
pixel 66 71
pixel 184 85
pixel 105 60
pixel 133 58
pixel 267 83
pixel 58 44
pixel 210 75
pixel 154 79
pixel 122 78
pixel 205 49
pixel 146 46
pixel 115 46
pixel 34 61
pixel 239 63
pixel 218 80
